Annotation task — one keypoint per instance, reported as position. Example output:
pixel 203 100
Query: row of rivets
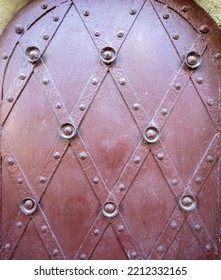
pixel 86 13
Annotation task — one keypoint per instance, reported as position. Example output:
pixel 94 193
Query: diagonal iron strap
pixel 207 163
pixel 26 70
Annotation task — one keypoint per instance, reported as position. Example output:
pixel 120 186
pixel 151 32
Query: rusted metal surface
pixel 110 133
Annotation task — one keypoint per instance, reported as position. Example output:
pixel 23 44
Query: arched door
pixel 110 131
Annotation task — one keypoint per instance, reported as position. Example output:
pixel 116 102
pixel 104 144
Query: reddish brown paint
pixel 112 131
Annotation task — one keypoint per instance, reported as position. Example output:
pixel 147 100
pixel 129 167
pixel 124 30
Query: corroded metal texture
pixel 110 133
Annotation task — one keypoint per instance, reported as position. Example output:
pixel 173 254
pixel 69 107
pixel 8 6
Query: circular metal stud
pixel 110 209
pixel 97 33
pixel 55 252
pixel 4 55
pixel 28 206
pixel 22 76
pixel 33 54
pixel 55 17
pixel 108 55
pixel 152 134
pixel 120 228
pixel 200 80
pixel 19 29
pixel 86 13
pixel 193 59
pixel 96 180
pixel 133 11
pixel 96 231
pixel 44 6
pixel 187 203
pixel 67 131
pixel 204 28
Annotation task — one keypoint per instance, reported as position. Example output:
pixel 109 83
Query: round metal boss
pixel 67 131
pixel 28 206
pixel 108 55
pixel 110 209
pixel 193 59
pixel 152 134
pixel 188 203
pixel 33 54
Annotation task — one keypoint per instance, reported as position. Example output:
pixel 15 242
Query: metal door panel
pixel 110 135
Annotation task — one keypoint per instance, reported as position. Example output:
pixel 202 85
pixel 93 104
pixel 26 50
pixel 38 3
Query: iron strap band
pixel 93 27
pixel 210 103
pixel 176 89
pixel 97 230
pixel 18 86
pixel 16 232
pixel 179 217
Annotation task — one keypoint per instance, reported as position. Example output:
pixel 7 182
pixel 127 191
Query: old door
pixel 110 131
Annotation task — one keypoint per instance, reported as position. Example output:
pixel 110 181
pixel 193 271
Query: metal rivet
pixel 22 76
pixel 19 180
pixel 82 107
pixel 209 159
pixel 83 155
pixel 96 231
pixel 42 179
pixel 166 16
pixel 108 55
pixel 4 55
pixel 94 81
pixel 45 36
pixel 10 161
pixel 200 80
pixel 176 36
pixel 55 252
pixel 19 224
pixel 187 203
pixel 83 256
pixel 197 227
pixel 204 28
pixel 161 156
pixel 208 248
pixel 68 131
pixel 55 17
pixel 19 29
pixel 137 159
pixel 198 180
pixel 178 86
pixel 110 209
pixel 133 11
pixel 174 182
pixel 210 102
pixel 160 249
pixel 33 54
pixel 44 229
pixel 120 33
pixel 173 224
pixel 97 33
pixel 133 254
pixel 164 111
pixel 45 81
pixel 86 13
pixel 96 180
pixel 58 105
pixel 44 6
pixel 218 55
pixel 193 59
pixel 121 187
pixel 56 155
pixel 10 99
pixel 122 81
pixel 28 206
pixel 7 246
pixel 136 106
pixel 152 134
pixel 120 228
pixel 185 8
